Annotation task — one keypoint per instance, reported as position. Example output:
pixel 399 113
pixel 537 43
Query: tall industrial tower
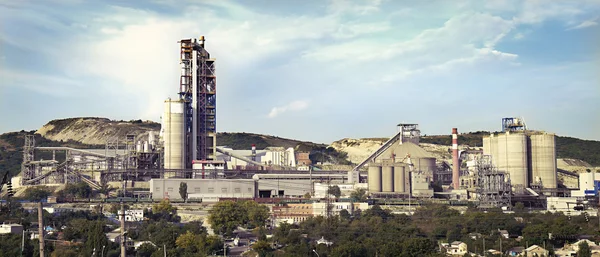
pixel 198 91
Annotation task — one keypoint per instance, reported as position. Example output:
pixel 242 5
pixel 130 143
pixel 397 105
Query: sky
pixel 310 70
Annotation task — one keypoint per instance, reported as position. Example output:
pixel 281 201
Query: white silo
pixel 151 139
pixel 387 179
pixel 173 137
pixel 543 159
pixel 374 179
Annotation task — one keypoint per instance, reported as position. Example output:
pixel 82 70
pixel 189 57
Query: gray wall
pixel 290 188
pixel 203 188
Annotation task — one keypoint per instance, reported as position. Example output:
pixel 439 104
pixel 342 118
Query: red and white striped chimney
pixel 455 165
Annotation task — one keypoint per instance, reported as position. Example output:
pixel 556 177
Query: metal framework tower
pixel 198 90
pixel 494 186
pixel 513 124
pixel 27 170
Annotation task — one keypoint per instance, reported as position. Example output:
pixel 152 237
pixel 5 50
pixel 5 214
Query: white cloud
pixel 292 106
pixel 586 24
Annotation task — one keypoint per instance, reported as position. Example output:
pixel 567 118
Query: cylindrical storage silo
pixel 146 147
pixel 173 120
pixel 138 146
pixel 387 181
pixel 486 145
pixel 512 157
pixel 374 179
pixel 425 165
pixel 399 177
pixel 543 159
pixel 494 149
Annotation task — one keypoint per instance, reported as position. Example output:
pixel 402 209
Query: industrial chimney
pixel 455 164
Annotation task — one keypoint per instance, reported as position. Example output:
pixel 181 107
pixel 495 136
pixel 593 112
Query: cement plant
pixel 517 164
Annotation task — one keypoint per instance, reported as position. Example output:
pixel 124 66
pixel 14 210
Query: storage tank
pixel 374 179
pixel 146 147
pixel 174 137
pixel 512 157
pixel 151 139
pixel 425 165
pixel 399 179
pixel 387 181
pixel 543 159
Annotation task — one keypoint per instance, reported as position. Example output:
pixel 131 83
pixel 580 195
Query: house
pixel 456 248
pixel 11 228
pixel 504 233
pixel 492 252
pixel 475 235
pixel 115 236
pixel 132 215
pixel 534 250
pixel 570 250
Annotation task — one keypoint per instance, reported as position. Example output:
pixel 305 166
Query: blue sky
pixel 311 70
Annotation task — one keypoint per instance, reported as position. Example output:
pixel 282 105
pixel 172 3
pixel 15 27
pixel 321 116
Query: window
pixel 249 190
pixel 211 190
pixel 170 189
pixel 157 188
pixel 197 189
pixel 238 190
pixel 223 190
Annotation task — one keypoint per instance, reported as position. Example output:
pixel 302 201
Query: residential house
pixel 292 213
pixel 456 248
pixel 475 235
pixel 132 215
pixel 492 252
pixel 533 251
pixel 115 236
pixel 570 250
pixel 11 228
pixel 504 233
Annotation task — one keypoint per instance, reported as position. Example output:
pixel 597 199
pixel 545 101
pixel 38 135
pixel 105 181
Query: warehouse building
pixel 206 189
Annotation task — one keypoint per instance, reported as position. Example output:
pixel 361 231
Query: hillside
pixel 89 130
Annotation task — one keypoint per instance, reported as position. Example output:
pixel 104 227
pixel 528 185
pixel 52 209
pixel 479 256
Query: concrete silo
pixel 400 181
pixel 173 135
pixel 387 179
pixel 512 157
pixel 374 178
pixel 543 159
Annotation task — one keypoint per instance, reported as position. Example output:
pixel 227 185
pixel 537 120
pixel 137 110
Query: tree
pixel 262 248
pixel 335 191
pixel 256 214
pixel 584 250
pixel 183 191
pixel 189 241
pixel 164 206
pixel 307 196
pixel 37 193
pixel 225 217
pixel 359 195
pixel 146 250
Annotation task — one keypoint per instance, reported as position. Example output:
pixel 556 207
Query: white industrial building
pixel 577 204
pixel 271 156
pixel 209 190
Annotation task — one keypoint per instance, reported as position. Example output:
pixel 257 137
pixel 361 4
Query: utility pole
pixel 123 252
pixel 41 228
pixel 225 249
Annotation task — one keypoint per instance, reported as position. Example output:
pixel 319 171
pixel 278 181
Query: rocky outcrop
pixel 94 131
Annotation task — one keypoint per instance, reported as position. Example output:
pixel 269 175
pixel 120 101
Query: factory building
pixel 209 190
pixel 528 156
pixel 400 166
pixel 271 156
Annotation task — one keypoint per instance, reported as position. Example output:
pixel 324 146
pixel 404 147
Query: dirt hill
pixel 96 131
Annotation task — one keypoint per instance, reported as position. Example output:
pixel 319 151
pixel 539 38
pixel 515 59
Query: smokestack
pixel 455 165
